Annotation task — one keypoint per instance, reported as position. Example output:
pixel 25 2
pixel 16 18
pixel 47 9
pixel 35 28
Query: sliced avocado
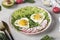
pixel 8 3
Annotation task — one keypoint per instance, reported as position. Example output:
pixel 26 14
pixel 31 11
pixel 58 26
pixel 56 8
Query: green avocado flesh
pixel 27 12
pixel 8 4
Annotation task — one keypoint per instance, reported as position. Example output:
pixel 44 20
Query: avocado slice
pixel 8 3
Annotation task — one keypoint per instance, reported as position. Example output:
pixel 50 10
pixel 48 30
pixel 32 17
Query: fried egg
pixel 23 22
pixel 37 17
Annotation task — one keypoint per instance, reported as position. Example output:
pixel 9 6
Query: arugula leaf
pixel 32 24
pixel 46 16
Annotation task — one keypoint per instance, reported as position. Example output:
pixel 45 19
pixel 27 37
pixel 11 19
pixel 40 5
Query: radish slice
pixel 39 28
pixel 24 30
pixel 44 23
pixel 29 30
pixel 34 30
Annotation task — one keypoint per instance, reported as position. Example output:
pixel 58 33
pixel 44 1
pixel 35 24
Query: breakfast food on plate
pixel 38 17
pixel 35 29
pixel 23 22
pixel 8 3
pixel 30 19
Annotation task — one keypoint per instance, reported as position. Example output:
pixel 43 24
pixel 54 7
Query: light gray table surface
pixel 53 30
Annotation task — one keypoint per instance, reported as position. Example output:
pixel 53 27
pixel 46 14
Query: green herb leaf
pixel 30 1
pixel 47 38
pixel 46 16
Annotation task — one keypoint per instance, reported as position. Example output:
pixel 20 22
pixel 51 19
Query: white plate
pixel 41 30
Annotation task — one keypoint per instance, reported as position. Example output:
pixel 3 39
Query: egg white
pixel 17 23
pixel 40 20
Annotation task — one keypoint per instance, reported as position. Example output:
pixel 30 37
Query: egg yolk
pixel 37 16
pixel 23 22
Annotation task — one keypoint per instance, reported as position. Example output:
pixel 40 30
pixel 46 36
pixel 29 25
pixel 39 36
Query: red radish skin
pixel 24 30
pixel 56 10
pixel 29 30
pixel 19 1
